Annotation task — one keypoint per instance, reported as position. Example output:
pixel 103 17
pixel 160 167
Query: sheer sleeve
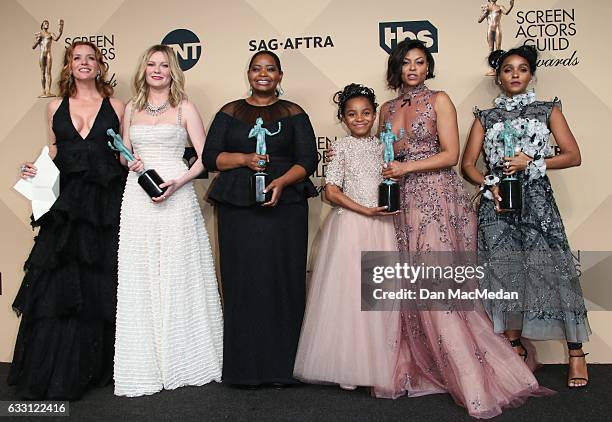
pixel 305 148
pixel 556 102
pixel 335 169
pixel 215 141
pixel 480 115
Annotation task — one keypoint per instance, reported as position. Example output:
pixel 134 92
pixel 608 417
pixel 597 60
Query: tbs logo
pixel 391 33
pixel 186 45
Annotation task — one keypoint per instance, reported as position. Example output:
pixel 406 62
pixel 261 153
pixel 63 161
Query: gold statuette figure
pixel 493 12
pixel 44 39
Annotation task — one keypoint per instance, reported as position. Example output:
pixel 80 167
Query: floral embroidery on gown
pixel 452 351
pixel 528 251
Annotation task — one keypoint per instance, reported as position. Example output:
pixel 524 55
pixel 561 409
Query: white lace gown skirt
pixel 169 320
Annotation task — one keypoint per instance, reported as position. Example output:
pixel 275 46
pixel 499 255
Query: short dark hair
pixel 353 91
pixel 528 52
pixel 396 61
pixel 269 53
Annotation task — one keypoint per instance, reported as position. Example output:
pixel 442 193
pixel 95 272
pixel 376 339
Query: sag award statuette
pixel 493 13
pixel 510 187
pixel 388 190
pixel 261 179
pixel 148 179
pixel 44 40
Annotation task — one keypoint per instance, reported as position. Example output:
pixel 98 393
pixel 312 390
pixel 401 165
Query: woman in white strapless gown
pixel 169 321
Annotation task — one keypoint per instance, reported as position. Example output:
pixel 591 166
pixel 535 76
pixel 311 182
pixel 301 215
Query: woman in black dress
pixel 68 295
pixel 262 248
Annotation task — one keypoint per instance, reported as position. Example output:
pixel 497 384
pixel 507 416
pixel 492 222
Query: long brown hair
pixel 66 84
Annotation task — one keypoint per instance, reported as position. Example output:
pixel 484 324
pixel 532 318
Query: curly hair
pixel 353 91
pixel 67 87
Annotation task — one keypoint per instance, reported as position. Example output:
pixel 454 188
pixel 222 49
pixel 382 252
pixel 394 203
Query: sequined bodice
pixel 356 168
pixel 413 119
pixel 160 147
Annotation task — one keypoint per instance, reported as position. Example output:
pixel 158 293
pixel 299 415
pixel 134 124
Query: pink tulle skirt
pixel 339 343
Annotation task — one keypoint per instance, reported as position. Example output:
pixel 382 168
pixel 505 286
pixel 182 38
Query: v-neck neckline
pixel 93 125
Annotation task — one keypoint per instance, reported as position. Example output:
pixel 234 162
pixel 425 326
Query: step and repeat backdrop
pixel 323 45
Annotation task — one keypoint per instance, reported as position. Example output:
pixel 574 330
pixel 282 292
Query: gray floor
pixel 218 402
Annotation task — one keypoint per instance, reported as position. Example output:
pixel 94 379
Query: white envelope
pixel 42 189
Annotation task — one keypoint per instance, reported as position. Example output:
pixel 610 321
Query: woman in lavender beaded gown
pixel 441 351
pixel 339 343
pixel 169 322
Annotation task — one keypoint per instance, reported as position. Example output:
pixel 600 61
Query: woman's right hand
pixel 136 165
pixel 27 169
pixel 252 161
pixel 379 212
pixel 496 197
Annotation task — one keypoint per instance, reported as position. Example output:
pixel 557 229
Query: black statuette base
pixel 259 181
pixel 511 193
pixel 389 196
pixel 150 181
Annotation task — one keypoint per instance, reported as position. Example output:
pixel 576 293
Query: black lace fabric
pixel 294 144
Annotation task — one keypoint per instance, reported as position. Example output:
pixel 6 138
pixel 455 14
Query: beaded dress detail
pixel 339 343
pixel 528 251
pixel 452 351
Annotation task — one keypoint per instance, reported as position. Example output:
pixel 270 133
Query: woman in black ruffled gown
pixel 68 296
pixel 262 248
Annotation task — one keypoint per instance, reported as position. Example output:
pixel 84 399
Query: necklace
pixel 156 111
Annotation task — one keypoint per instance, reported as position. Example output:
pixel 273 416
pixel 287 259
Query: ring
pixel 23 168
pixel 261 163
pixel 507 164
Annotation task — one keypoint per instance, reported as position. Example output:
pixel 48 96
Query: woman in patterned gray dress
pixel 527 251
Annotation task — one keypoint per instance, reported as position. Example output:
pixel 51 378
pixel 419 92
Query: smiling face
pixel 157 70
pixel 359 116
pixel 414 68
pixel 515 75
pixel 84 64
pixel 264 75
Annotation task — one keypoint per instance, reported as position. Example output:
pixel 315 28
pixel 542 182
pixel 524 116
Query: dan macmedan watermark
pixel 459 274
pixel 429 281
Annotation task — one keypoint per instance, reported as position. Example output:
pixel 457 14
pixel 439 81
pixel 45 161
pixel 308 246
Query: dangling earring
pixel 250 92
pixel 279 91
pixel 98 76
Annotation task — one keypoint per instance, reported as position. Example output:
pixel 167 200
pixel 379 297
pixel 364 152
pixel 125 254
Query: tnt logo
pixel 186 45
pixel 391 33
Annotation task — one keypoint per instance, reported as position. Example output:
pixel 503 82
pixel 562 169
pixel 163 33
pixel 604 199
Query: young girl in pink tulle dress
pixel 339 343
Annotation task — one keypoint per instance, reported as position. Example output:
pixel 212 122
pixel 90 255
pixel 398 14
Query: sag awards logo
pixel 391 33
pixel 323 143
pixel 106 44
pixel 289 43
pixel 549 30
pixel 186 45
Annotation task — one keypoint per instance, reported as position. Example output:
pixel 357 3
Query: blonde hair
pixel 66 84
pixel 177 85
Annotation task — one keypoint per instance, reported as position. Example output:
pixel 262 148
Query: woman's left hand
pixel 395 169
pixel 517 163
pixel 276 186
pixel 172 186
